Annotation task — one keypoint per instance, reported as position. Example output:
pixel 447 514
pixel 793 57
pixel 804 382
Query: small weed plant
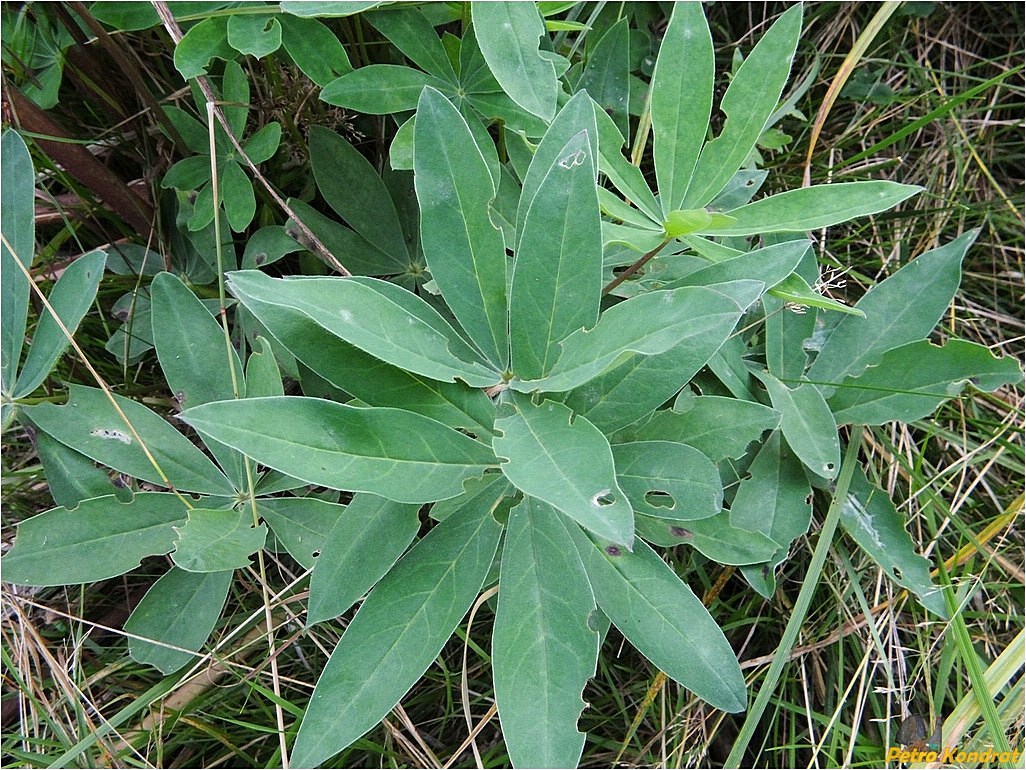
pixel 542 371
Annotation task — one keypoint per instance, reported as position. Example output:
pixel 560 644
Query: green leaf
pixel 813 208
pixel 18 224
pixel 807 424
pixel 718 427
pixel 363 544
pixel 71 476
pixel 379 89
pixel 191 345
pixel 187 174
pixel 714 537
pixel 748 103
pixel 509 35
pixel 255 36
pixel 71 297
pixel 644 325
pixel 544 649
pixel 314 48
pixel 300 524
pixel 390 452
pixel 557 274
pixel 561 458
pixel 89 424
pixel 237 195
pixel 687 221
pixel 101 538
pixel 625 176
pixel 681 97
pixel 796 290
pixel 770 264
pixel 263 378
pixel 216 540
pixel 606 74
pixel 633 389
pixel 179 611
pixel 266 246
pixel 663 619
pixel 366 313
pixel 913 380
pixel 262 145
pixel 207 40
pixel 330 8
pixel 870 518
pixel 397 633
pixel 668 480
pixel 131 16
pixel 341 170
pixel 892 320
pixel 464 250
pixel 493 486
pixel 373 381
pixel 577 115
pixel 357 253
pixel 409 30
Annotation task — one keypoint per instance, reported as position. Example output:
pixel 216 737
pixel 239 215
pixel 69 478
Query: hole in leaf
pixel 830 467
pixel 897 573
pixel 316 553
pixel 680 532
pixel 613 550
pixel 603 498
pixel 658 499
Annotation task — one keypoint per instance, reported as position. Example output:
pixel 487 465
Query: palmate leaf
pixel 550 453
pixel 644 325
pixel 369 313
pixel 101 538
pixel 389 452
pixel 179 611
pixel 681 94
pixel 891 319
pixel 913 380
pixel 748 103
pixel 397 633
pixel 544 648
pixel 89 424
pixel 366 540
pixel 464 250
pixel 557 273
pixel 663 619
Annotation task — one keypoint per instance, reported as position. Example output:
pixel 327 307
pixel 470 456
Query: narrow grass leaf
pixel 891 319
pixel 101 538
pixel 681 98
pixel 561 458
pixel 366 539
pixel 89 424
pixel 807 424
pixel 180 609
pixel 544 649
pixel 509 36
pixel 390 452
pixel 397 633
pixel 71 297
pixel 464 250
pixel 366 313
pixel 663 619
pixel 749 101
pixel 557 274
pixel 668 480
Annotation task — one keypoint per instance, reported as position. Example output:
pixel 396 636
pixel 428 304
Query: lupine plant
pixel 568 371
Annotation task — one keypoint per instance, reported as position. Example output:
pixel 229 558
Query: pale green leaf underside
pixel 389 452
pixel 543 650
pixel 397 633
pixel 217 540
pixel 668 480
pixel 300 524
pixel 561 458
pixel 713 537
